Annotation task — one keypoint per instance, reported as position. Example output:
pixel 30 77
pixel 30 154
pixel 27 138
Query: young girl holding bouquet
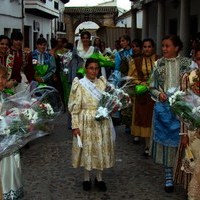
pixel 97 151
pixel 167 74
pixel 188 165
pixel 10 168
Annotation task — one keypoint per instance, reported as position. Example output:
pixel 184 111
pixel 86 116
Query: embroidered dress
pixel 7 61
pixel 166 128
pixel 140 69
pixel 96 136
pixel 11 176
pixel 189 177
pixel 46 66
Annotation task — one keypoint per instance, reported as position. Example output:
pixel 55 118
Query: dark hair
pixel 91 60
pixel 125 37
pixel 41 41
pixel 138 42
pixel 4 37
pixel 16 35
pixel 53 42
pixel 69 46
pixel 149 40
pixel 175 40
pixel 85 33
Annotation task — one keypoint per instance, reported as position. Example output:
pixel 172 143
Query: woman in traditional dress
pixel 10 166
pixel 44 63
pixel 188 171
pixel 167 73
pixel 20 61
pixel 80 54
pixel 7 59
pixel 96 136
pixel 140 70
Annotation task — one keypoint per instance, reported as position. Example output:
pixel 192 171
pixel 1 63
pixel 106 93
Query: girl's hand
pixel 76 132
pixel 162 97
pixel 185 140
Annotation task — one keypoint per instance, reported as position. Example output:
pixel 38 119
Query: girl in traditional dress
pixel 167 73
pixel 80 54
pixel 10 167
pixel 7 59
pixel 44 63
pixel 140 71
pixel 188 171
pixel 97 138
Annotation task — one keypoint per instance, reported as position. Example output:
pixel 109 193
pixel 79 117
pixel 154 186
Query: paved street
pixel 48 174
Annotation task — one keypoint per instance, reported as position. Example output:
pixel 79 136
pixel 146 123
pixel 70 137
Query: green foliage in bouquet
pixel 41 70
pixel 140 89
pixel 105 61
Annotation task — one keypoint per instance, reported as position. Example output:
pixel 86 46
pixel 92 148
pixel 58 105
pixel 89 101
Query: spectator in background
pixel 117 47
pixel 97 43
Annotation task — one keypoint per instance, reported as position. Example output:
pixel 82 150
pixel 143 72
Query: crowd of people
pixel 80 80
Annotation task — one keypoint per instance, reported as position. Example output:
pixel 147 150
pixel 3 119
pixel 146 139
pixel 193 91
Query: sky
pixel 125 4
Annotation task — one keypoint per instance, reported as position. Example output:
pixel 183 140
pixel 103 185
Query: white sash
pixel 91 88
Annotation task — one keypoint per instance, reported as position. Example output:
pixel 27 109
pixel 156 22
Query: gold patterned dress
pixel 96 136
pixel 140 69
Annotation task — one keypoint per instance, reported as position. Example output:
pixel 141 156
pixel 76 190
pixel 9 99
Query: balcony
pixel 42 8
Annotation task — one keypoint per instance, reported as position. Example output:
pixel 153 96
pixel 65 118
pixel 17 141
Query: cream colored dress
pixel 96 136
pixel 11 177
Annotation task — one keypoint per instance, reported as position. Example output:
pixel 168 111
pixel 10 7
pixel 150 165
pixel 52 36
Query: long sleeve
pixel 74 104
pixel 117 61
pixel 153 87
pixel 51 69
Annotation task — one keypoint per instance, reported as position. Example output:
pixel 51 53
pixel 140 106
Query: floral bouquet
pixel 186 105
pixel 105 61
pixel 23 116
pixel 65 60
pixel 112 100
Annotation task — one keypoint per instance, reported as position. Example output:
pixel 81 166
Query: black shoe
pixel 101 185
pixel 169 189
pixel 87 185
pixel 146 153
pixel 136 140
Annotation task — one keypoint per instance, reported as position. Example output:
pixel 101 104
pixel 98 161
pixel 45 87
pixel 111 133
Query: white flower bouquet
pixel 23 117
pixel 112 100
pixel 186 105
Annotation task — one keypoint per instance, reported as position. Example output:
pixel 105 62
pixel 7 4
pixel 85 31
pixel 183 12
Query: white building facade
pixel 34 18
pixel 11 15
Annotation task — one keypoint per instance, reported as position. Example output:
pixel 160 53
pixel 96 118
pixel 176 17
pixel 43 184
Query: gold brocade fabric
pixel 143 104
pixel 96 136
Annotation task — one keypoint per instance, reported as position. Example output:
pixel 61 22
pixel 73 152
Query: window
pixel 56 5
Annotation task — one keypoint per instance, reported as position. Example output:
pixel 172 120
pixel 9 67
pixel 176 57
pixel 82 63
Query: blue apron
pixel 166 125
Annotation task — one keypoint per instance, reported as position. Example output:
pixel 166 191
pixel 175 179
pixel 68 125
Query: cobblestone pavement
pixel 48 174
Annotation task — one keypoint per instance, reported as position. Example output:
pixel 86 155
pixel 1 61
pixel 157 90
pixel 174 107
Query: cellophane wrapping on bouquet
pixel 186 105
pixel 24 116
pixel 112 100
pixel 65 60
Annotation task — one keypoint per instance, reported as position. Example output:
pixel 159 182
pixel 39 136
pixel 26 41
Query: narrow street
pixel 48 174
